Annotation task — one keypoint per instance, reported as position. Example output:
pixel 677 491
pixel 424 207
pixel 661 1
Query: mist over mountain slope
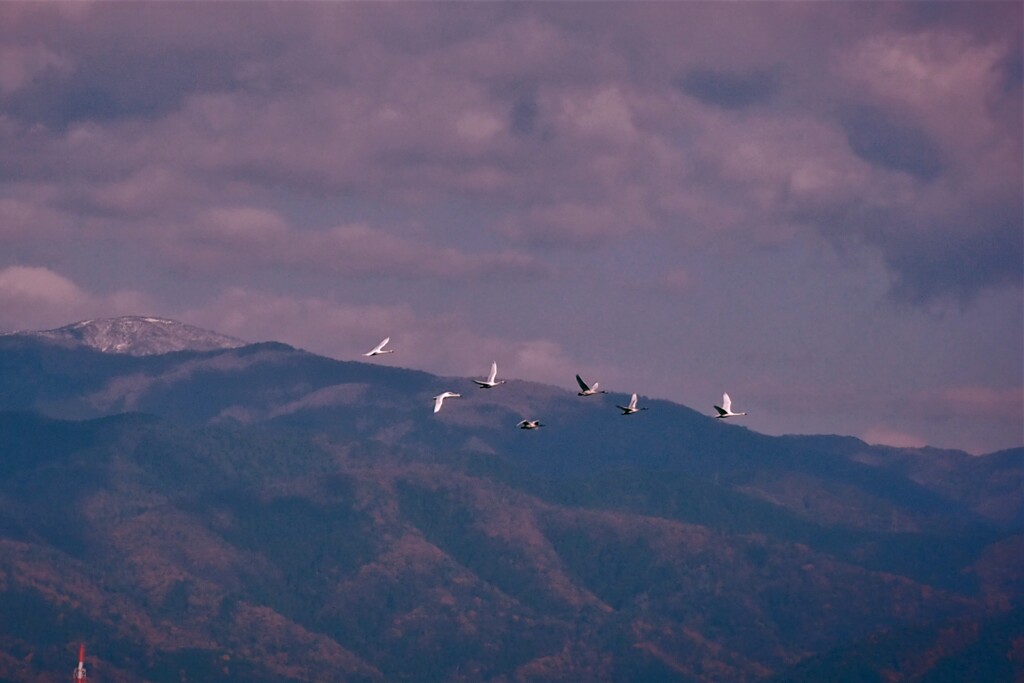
pixel 262 513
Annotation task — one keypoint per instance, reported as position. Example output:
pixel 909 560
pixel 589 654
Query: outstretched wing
pixel 727 403
pixel 377 349
pixel 721 412
pixel 438 401
pixel 494 372
pixel 632 402
pixel 583 385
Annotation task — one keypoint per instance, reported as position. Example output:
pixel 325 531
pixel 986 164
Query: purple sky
pixel 814 206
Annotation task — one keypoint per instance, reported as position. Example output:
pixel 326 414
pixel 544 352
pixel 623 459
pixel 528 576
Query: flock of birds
pixel 723 411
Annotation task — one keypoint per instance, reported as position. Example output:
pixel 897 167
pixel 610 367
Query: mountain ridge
pixel 283 516
pixel 136 336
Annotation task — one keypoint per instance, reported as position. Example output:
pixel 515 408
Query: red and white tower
pixel 79 673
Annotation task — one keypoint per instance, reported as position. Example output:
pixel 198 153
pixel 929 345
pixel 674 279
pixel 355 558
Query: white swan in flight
pixel 529 424
pixel 586 389
pixel 631 408
pixel 725 410
pixel 379 348
pixel 490 381
pixel 439 399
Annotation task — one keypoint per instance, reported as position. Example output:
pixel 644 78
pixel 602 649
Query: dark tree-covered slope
pixel 265 514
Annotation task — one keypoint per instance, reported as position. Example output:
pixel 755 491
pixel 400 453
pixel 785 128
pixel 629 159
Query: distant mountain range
pixel 137 336
pixel 254 512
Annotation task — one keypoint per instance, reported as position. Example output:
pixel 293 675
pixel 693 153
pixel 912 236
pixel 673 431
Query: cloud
pixel 245 238
pixel 676 281
pixel 34 297
pixel 877 139
pixel 559 130
pixel 21 64
pixel 933 105
pixel 28 219
pixel 975 248
pixel 147 191
pixel 312 323
pixel 364 250
pixel 728 89
pixel 974 417
pixel 579 223
pixel 945 79
pixel 115 65
pixel 446 124
pixel 981 402
pixel 446 344
pixel 40 285
pixel 887 436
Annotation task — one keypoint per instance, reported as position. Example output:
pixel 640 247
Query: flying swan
pixel 529 424
pixel 631 408
pixel 490 381
pixel 379 348
pixel 439 399
pixel 725 410
pixel 586 389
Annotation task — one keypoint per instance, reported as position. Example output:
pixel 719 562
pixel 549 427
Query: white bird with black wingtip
pixel 586 389
pixel 725 410
pixel 631 408
pixel 490 381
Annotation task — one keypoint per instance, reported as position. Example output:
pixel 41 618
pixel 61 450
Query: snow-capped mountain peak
pixel 138 336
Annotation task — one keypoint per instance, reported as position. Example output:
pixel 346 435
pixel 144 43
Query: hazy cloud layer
pixel 481 162
pixel 33 298
pixel 448 345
